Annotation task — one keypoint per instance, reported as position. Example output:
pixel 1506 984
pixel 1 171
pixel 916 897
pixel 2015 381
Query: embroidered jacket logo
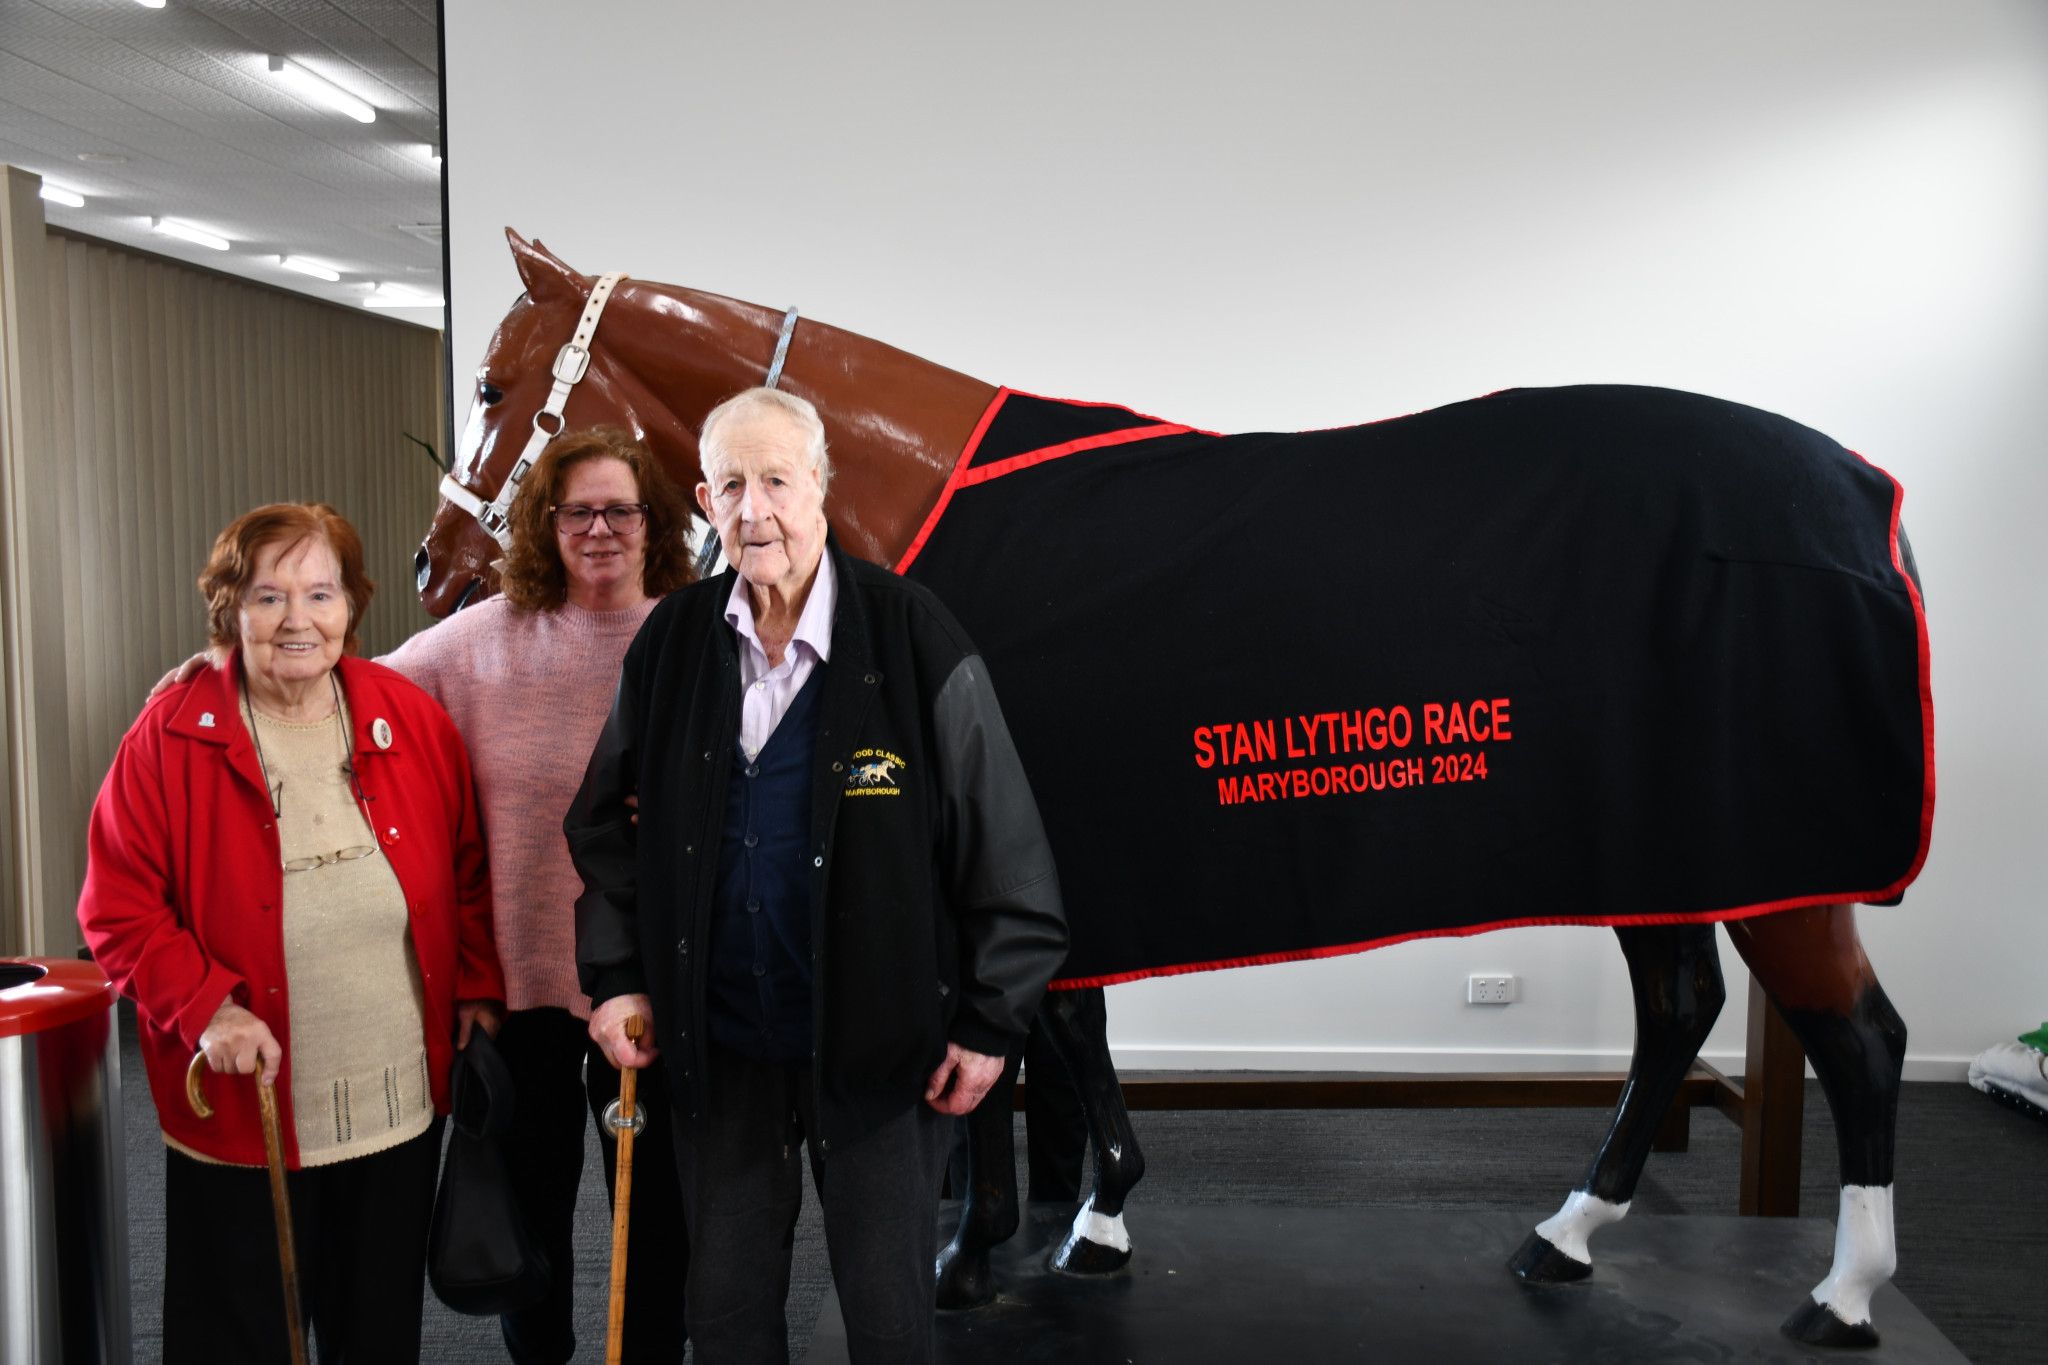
pixel 874 772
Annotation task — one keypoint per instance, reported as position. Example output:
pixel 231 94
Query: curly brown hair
pixel 232 565
pixel 532 576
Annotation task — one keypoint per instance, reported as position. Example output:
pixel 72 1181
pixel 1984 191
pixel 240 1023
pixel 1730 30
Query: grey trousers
pixel 742 1185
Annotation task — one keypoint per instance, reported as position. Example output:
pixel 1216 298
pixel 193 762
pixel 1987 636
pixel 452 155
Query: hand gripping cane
pixel 625 1121
pixel 280 1200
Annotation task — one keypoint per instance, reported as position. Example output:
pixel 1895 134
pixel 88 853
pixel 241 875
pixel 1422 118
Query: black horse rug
pixel 1598 655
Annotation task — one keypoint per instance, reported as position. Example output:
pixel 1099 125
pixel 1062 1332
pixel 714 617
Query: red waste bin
pixel 63 1185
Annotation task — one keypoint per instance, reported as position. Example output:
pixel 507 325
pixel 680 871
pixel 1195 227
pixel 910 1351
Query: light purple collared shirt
pixel 766 693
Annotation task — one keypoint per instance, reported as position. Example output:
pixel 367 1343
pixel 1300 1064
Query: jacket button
pixel 759 970
pixel 753 907
pixel 390 837
pixel 825 1144
pixel 817 862
pixel 683 947
pixel 689 848
pixel 751 840
pixel 707 755
pixel 753 770
pixel 838 767
pixel 870 678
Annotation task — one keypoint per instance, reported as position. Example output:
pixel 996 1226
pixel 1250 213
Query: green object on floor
pixel 2037 1040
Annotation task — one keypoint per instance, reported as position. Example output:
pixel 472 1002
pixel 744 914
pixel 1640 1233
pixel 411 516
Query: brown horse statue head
pixel 661 358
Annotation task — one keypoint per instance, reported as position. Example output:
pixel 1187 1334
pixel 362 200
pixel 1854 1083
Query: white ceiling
pixel 183 94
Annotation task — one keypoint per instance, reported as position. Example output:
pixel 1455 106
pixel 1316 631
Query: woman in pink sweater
pixel 599 535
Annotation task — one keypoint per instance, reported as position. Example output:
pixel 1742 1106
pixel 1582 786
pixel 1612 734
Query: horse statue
pixel 1601 655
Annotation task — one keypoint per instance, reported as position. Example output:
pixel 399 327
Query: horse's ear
pixel 547 276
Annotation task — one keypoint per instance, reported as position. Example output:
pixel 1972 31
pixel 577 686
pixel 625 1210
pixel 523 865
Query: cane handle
pixel 195 1087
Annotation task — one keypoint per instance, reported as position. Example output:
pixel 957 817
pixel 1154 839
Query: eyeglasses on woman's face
pixel 575 519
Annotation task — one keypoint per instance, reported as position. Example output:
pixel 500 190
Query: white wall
pixel 1300 215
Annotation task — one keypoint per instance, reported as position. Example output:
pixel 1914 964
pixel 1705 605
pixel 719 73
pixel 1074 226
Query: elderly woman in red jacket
pixel 286 873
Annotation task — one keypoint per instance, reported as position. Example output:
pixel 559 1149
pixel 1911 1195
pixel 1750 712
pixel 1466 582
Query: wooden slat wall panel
pixel 183 399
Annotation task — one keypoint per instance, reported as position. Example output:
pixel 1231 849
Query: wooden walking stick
pixel 280 1199
pixel 621 1117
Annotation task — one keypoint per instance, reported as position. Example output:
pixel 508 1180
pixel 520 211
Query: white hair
pixel 751 402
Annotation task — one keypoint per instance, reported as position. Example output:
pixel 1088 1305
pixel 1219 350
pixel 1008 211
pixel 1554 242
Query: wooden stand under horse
pixel 664 355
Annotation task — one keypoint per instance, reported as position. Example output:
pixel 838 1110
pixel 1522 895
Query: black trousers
pixel 560 1076
pixel 360 1230
pixel 742 1183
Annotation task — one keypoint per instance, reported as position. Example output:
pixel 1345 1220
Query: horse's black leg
pixel 1055 1124
pixel 1077 1024
pixel 988 1207
pixel 1813 967
pixel 1675 971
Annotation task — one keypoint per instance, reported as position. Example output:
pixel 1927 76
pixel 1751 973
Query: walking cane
pixel 624 1121
pixel 280 1200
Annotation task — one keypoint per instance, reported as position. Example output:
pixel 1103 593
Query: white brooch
pixel 380 730
pixel 206 719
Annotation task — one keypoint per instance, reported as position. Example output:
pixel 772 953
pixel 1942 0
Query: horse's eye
pixel 490 393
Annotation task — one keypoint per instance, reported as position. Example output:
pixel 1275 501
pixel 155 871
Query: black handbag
pixel 481 1259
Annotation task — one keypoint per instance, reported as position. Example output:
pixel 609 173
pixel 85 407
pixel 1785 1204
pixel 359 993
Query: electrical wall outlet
pixel 1492 990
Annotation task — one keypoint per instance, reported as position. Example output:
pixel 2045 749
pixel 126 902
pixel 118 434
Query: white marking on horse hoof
pixel 1091 1226
pixel 1865 1253
pixel 1583 1214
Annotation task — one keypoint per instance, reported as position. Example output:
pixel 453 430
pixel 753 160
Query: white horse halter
pixel 571 363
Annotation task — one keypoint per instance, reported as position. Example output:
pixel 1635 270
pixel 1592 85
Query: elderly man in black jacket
pixel 838 906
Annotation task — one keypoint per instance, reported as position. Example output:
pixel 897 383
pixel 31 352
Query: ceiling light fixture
pixel 171 227
pixel 150 4
pixel 313 268
pixel 103 158
pixel 57 194
pixel 309 86
pixel 389 295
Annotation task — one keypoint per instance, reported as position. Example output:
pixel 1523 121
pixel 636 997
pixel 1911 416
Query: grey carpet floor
pixel 1972 1200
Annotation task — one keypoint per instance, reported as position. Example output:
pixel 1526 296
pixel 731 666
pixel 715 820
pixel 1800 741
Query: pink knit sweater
pixel 529 690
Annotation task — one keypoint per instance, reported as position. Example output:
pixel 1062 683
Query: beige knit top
pixel 357 1048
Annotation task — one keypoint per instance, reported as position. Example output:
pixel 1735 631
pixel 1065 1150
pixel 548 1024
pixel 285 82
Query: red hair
pixel 232 566
pixel 532 575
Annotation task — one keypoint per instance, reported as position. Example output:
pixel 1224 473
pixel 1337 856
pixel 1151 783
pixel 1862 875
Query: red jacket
pixel 184 883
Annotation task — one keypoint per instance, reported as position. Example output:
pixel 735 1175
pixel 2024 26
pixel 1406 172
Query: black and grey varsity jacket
pixel 935 906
